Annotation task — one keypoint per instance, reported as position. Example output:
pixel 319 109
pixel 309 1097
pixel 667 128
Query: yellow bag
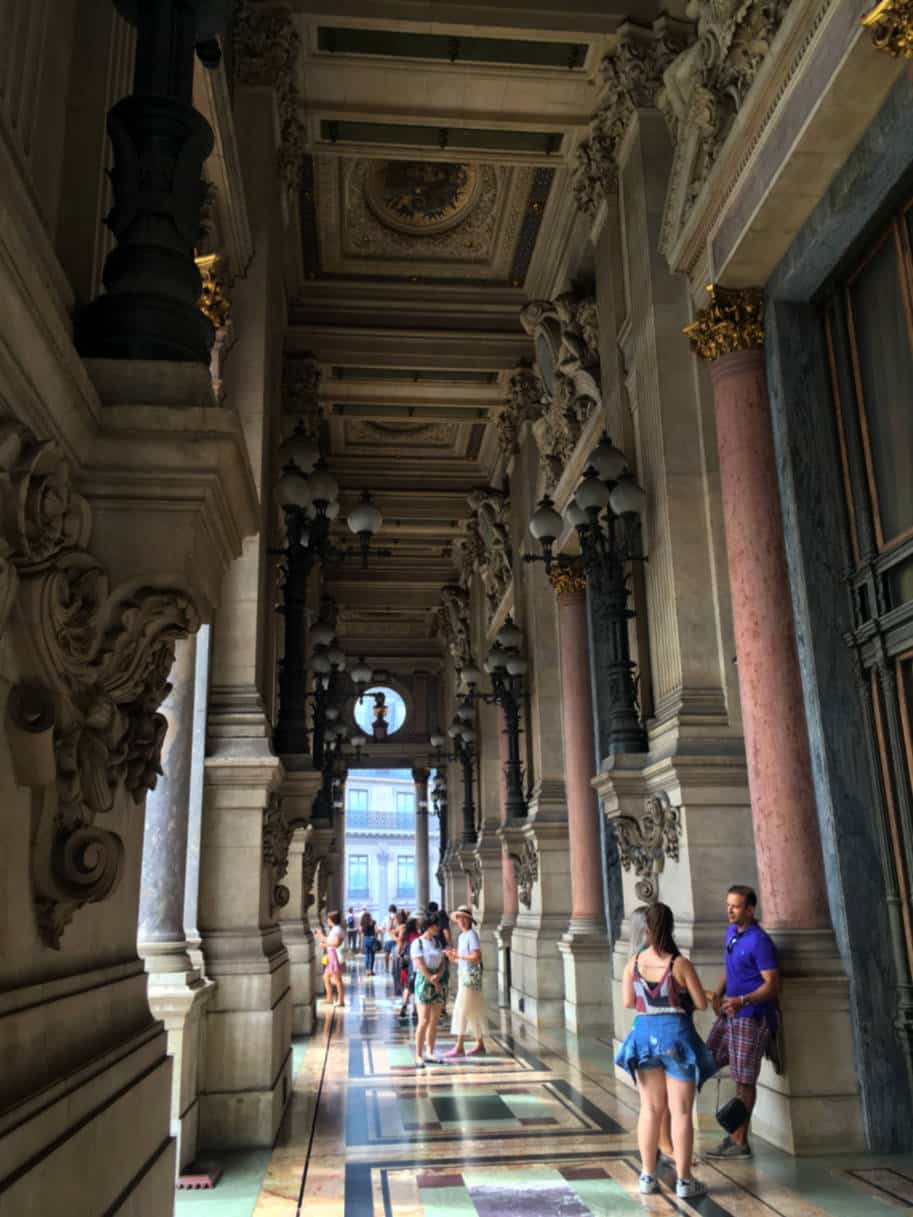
pixel 325 960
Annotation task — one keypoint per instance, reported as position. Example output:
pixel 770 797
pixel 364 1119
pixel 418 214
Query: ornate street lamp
pixel 308 495
pixel 605 511
pixel 506 667
pixel 462 733
pixel 439 806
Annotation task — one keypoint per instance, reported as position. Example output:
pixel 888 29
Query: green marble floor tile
pixel 605 1197
pixel 446 1202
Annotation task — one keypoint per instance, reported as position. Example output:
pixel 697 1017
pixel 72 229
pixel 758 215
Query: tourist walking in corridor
pixel 369 939
pixel 430 965
pixel 333 959
pixel 469 1013
pixel 352 929
pixel 391 923
pixel 663 1052
pixel 745 1002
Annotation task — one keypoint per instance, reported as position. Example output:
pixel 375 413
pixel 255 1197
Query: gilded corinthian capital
pixel 891 26
pixel 732 321
pixel 567 579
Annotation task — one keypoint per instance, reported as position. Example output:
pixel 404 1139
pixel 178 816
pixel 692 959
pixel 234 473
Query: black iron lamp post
pixel 605 511
pixel 506 667
pixel 463 735
pixel 439 808
pixel 309 497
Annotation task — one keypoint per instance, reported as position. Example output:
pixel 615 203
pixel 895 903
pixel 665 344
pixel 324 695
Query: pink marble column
pixel 587 908
pixel 790 865
pixel 508 876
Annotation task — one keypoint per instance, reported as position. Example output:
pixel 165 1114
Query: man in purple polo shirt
pixel 745 1002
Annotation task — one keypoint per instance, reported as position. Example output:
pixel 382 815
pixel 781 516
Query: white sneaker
pixel 686 1189
pixel 648 1182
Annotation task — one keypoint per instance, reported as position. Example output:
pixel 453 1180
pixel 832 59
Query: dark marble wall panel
pixel 878 171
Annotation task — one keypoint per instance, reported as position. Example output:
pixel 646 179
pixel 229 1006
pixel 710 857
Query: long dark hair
pixel 661 929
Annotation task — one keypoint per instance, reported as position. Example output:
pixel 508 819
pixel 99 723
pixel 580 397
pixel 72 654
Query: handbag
pixel 324 959
pixel 471 976
pixel 732 1115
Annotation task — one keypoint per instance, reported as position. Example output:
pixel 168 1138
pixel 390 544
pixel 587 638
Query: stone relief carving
pixel 451 622
pixel 645 842
pixel 704 89
pixel 266 46
pixel 632 77
pixel 94 663
pixel 277 836
pixel 526 871
pixel 301 393
pixel 565 332
pixel 526 397
pixel 486 545
pixel 473 871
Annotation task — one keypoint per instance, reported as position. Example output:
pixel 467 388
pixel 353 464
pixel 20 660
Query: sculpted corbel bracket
pixel 277 837
pixel 94 661
pixel 485 546
pixel 472 868
pixel 645 843
pixel 450 621
pixel 565 334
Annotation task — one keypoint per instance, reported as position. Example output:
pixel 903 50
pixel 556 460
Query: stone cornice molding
pixel 93 660
pixel 732 321
pixel 632 78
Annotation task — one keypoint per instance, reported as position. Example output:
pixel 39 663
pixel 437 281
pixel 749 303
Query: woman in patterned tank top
pixel 663 1052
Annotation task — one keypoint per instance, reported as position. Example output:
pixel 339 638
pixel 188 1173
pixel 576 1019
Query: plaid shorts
pixel 739 1043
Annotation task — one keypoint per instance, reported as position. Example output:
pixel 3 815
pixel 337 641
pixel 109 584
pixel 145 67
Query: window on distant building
pixel 358 799
pixel 358 876
pixel 405 800
pixel 405 877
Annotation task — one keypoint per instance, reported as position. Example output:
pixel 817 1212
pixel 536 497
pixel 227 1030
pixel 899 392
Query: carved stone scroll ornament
pixel 891 26
pixel 632 78
pixel 526 871
pixel 96 659
pixel 706 86
pixel 645 842
pixel 308 870
pixel 473 871
pixel 277 836
pixel 266 46
pixel 490 527
pixel 524 404
pixel 565 333
pixel 451 622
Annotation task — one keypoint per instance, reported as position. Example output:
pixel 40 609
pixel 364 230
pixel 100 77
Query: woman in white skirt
pixel 469 1014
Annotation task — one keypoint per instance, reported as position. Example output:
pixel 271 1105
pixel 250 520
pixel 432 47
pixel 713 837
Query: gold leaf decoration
pixel 891 26
pixel 732 321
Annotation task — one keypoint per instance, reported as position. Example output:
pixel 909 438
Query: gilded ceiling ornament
pixel 567 579
pixel 732 321
pixel 891 27
pixel 214 301
pixel 422 197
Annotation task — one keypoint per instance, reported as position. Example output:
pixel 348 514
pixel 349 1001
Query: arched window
pixel 391 703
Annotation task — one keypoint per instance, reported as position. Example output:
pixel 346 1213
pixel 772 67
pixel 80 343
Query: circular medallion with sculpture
pixel 422 197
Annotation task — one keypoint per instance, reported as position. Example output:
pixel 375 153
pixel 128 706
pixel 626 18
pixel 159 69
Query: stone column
pixel 296 932
pixel 422 874
pixel 177 992
pixel 584 947
pixel 195 812
pixel 815 1105
pixel 508 881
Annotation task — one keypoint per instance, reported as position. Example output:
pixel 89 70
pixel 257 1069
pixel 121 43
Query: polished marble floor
pixel 537 1128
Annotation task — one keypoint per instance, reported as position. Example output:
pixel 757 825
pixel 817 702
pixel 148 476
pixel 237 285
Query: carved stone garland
pixel 525 401
pixel 83 722
pixel 645 843
pixel 485 546
pixel 451 622
pixel 526 871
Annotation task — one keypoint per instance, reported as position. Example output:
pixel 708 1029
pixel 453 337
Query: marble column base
pixel 503 936
pixel 86 1079
pixel 180 1002
pixel 814 1107
pixel 248 1072
pixel 302 954
pixel 587 981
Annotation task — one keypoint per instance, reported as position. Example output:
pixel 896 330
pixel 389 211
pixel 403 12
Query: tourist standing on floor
pixel 409 935
pixel 429 965
pixel 333 959
pixel 390 924
pixel 399 955
pixel 469 1012
pixel 352 929
pixel 745 1002
pixel 369 938
pixel 638 924
pixel 662 1051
